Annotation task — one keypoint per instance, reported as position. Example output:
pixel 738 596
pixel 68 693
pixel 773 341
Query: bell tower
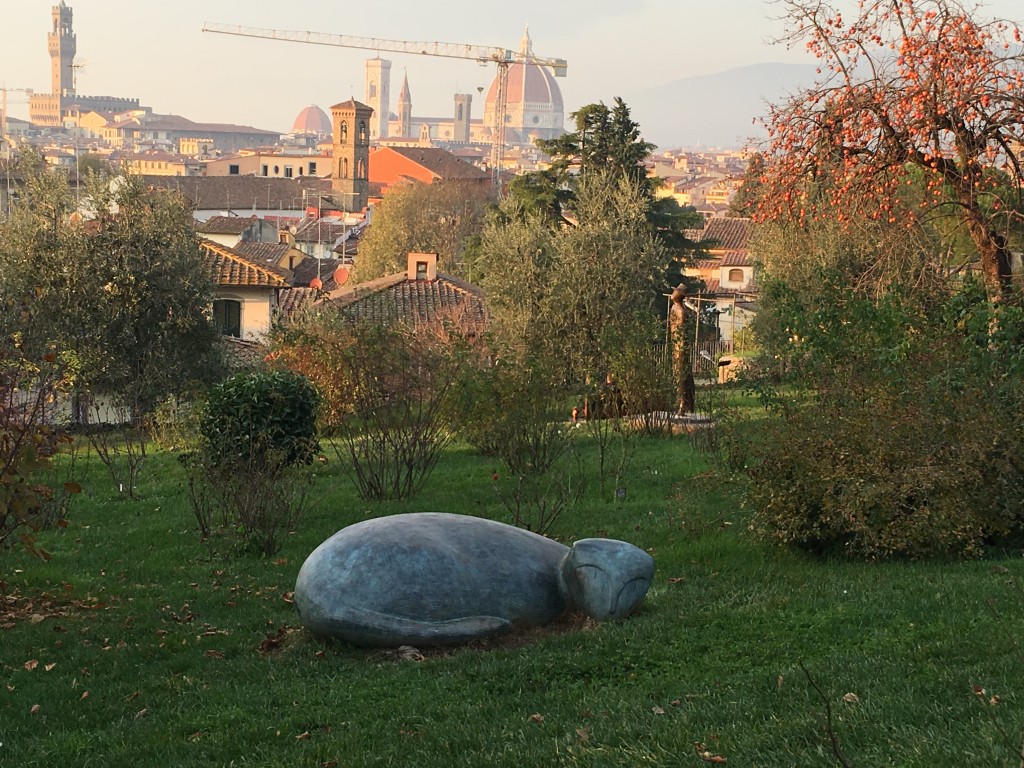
pixel 378 96
pixel 351 161
pixel 463 104
pixel 405 109
pixel 62 52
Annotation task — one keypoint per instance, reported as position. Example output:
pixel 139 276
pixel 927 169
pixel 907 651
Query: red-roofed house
pixel 246 293
pixel 729 274
pixel 397 165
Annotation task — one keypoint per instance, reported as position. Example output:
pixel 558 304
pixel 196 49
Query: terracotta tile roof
pixel 351 104
pixel 243 354
pixel 269 253
pixel 322 230
pixel 292 302
pixel 739 258
pixel 395 297
pixel 224 225
pixel 243 193
pixel 158 122
pixel 727 234
pixel 712 285
pixel 229 267
pixel 442 163
pixel 325 269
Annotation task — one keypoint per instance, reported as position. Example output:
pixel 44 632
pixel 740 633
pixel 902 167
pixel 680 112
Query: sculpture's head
pixel 605 578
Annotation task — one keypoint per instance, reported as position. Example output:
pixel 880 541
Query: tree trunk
pixel 996 265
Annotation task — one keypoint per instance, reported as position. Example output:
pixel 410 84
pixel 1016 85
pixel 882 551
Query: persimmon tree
pixel 906 88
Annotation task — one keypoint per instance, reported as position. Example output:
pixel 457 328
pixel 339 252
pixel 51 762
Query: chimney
pixel 422 266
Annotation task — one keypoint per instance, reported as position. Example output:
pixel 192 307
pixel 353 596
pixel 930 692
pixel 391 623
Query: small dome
pixel 312 120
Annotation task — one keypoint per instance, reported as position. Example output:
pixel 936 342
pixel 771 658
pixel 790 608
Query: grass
pixel 166 653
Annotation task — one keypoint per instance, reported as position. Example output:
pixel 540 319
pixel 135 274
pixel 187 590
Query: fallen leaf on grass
pixel 778 683
pixel 537 718
pixel 302 736
pixel 141 713
pixel 132 696
pixel 35 618
pixel 706 755
pixel 50 666
pixel 213 654
pixel 583 734
pixel 675 579
pixel 329 764
pixel 33 709
pixel 288 597
pixel 851 698
pixel 85 695
pixel 31 664
pixel 272 643
pixel 657 710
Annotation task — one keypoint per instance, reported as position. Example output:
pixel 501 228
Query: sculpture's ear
pixel 605 578
pixel 587 583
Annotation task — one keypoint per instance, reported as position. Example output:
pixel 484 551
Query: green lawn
pixel 136 646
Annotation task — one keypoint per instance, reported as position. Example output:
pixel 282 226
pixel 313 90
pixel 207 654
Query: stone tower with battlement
pixel 63 101
pixel 62 46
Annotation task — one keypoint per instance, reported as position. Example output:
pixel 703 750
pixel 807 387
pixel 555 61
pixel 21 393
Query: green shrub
pixel 516 409
pixel 908 441
pixel 252 416
pixel 258 431
pixel 396 426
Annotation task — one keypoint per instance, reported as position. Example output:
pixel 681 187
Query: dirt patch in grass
pixel 518 637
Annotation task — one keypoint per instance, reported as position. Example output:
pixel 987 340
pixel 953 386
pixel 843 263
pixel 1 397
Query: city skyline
pixel 160 55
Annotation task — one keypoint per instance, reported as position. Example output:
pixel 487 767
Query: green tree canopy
pixel 120 283
pixel 437 218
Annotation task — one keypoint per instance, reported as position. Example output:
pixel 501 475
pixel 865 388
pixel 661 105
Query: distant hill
pixel 714 110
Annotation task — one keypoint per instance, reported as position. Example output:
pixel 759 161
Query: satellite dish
pixel 316 283
pixel 341 276
pixel 293 229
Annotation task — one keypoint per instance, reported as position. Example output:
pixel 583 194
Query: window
pixel 421 270
pixel 227 317
pixel 362 131
pixel 343 131
pixel 232 170
pixel 373 90
pixel 288 172
pixel 735 275
pixel 277 170
pixel 265 169
pixel 459 117
pixel 312 168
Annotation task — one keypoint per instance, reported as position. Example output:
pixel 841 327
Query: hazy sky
pixel 157 52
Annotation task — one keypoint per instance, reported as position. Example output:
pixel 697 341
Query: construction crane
pixel 502 57
pixel 4 90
